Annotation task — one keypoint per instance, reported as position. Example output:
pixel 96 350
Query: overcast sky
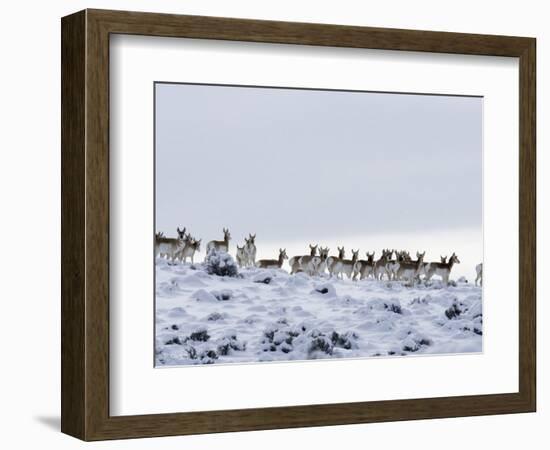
pixel 310 165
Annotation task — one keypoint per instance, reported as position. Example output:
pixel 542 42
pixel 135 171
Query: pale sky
pixel 297 166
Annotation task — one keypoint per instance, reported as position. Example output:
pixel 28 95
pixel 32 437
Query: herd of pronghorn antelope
pixel 393 264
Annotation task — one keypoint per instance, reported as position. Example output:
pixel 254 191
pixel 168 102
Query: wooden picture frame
pixel 85 224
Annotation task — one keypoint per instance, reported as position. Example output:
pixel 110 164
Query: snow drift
pixel 268 315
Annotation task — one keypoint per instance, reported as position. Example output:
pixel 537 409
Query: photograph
pixel 296 224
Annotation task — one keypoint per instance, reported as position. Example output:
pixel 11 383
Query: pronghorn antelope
pixel 158 235
pixel 409 270
pixel 273 263
pixel 168 247
pixel 222 246
pixel 250 250
pixel 442 269
pixel 294 264
pixel 191 246
pixel 181 235
pixel 318 264
pixel 299 263
pixel 364 267
pixel 479 274
pixel 334 265
pixel 349 264
pixel 242 258
pixel 425 266
pixel 379 268
pixel 443 259
pixel 315 265
pixel 393 265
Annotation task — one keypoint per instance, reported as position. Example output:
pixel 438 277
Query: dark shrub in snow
pixel 174 341
pixel 223 295
pixel 414 344
pixel 208 357
pixel 393 307
pixel 453 312
pixel 215 316
pixel 281 338
pixel 191 352
pixel 346 340
pixel 199 335
pixel 229 343
pixel 221 264
pixel 265 280
pixel 327 343
pixel 321 343
pixel 326 289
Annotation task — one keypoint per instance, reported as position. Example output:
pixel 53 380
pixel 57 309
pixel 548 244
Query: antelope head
pixel 341 253
pixel 420 256
pixel 181 233
pixel 226 235
pixel 355 255
pixel 313 249
pixel 323 253
pixel 197 245
pixel 282 254
pixel 370 257
pixel 443 259
pixel 454 259
pixel 252 238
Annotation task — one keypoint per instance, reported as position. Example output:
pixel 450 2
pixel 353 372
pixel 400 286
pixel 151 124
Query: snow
pixel 269 315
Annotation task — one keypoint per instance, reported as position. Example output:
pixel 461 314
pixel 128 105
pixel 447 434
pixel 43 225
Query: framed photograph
pixel 273 225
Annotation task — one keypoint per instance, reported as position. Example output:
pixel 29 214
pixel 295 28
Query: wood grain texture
pixel 73 321
pixel 527 224
pixel 85 224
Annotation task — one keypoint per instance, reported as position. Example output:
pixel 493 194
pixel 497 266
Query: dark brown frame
pixel 85 224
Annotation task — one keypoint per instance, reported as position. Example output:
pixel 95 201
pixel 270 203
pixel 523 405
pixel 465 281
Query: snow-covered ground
pixel 269 315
